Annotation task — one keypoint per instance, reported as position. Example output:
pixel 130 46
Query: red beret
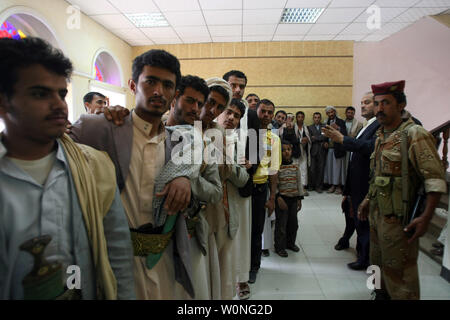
pixel 388 87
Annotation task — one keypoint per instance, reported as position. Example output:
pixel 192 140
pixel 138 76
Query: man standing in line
pixel 319 146
pixel 59 202
pixel 405 158
pixel 353 127
pixel 303 160
pixel 357 182
pixel 252 100
pixel 335 161
pixel 280 119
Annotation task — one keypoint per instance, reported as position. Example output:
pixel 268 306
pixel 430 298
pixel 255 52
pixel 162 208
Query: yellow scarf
pixel 95 182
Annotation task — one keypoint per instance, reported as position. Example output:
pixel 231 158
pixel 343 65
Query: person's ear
pixel 132 85
pixel 402 106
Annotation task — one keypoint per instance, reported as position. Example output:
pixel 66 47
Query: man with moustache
pixel 252 100
pixel 357 182
pixel 404 158
pixel 280 119
pixel 319 146
pixel 58 200
pixel 138 150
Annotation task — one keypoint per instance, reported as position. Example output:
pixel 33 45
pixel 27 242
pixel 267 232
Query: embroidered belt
pixel 144 244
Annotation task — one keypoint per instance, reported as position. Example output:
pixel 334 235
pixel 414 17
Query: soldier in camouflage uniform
pixel 388 208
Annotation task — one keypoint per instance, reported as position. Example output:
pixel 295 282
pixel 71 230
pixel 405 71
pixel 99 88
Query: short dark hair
pixel 350 108
pixel 317 113
pixel 156 58
pixel 239 104
pixel 18 54
pixel 90 95
pixel 267 102
pixel 251 95
pixel 195 83
pixel 299 112
pixel 286 142
pixel 281 111
pixel 236 73
pixel 222 91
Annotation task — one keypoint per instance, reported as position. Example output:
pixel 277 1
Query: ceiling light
pixel 301 15
pixel 147 20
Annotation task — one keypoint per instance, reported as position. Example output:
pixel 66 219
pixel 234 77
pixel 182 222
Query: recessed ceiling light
pixel 301 15
pixel 147 20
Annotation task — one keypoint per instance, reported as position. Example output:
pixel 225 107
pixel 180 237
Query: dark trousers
pixel 286 224
pixel 259 198
pixel 363 240
pixel 316 170
pixel 349 229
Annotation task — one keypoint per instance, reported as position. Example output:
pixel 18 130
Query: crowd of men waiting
pixel 122 196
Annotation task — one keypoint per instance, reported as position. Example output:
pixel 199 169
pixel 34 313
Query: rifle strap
pixel 405 177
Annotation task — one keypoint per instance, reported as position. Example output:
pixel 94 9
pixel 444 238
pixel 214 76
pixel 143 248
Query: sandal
pixel 243 291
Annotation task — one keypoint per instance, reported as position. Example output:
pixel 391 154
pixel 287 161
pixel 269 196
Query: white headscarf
pixel 212 82
pixel 328 108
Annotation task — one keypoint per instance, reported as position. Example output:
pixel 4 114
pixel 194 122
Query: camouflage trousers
pixel 396 258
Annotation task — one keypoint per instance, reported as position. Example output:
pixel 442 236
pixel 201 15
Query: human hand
pixel 282 204
pixel 68 127
pixel 304 140
pixel 299 205
pixel 178 192
pixel 270 205
pixel 333 134
pixel 335 126
pixel 419 226
pixel 325 145
pixel 363 210
pixel 116 114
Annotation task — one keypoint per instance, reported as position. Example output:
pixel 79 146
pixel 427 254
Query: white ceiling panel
pixel 356 28
pixel 307 3
pixel 386 14
pixel 167 40
pixel 225 31
pixel 350 3
pixel 348 37
pixel 256 38
pixel 326 28
pixel 223 17
pixel 113 21
pixel 192 32
pixel 340 15
pixel 415 14
pixel 140 42
pixel 264 4
pixel 186 18
pixel 176 5
pixel 139 6
pixel 160 32
pixel 259 29
pixel 262 16
pixel 197 40
pixel 90 7
pixel 292 29
pixel 227 39
pixel 220 4
pixel 318 38
pixel 396 3
pixel 433 3
pixel 129 34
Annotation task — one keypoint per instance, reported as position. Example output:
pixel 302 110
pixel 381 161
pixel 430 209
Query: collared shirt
pixel 147 161
pixel 27 210
pixel 371 120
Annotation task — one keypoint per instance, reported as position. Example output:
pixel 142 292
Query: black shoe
pixel 340 246
pixel 282 253
pixel 294 248
pixel 252 276
pixel 319 190
pixel 380 294
pixel 265 252
pixel 357 266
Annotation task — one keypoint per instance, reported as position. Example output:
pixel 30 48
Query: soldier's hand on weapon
pixel 270 205
pixel 363 210
pixel 178 192
pixel 282 204
pixel 419 225
pixel 116 114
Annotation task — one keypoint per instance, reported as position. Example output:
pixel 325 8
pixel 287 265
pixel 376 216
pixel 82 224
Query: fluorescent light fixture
pixel 301 15
pixel 147 20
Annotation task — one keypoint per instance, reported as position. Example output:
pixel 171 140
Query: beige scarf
pixel 95 182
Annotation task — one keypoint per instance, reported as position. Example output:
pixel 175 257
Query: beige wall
pixel 295 75
pixel 80 45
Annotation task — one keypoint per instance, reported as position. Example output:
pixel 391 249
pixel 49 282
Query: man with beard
pixel 318 153
pixel 59 201
pixel 138 150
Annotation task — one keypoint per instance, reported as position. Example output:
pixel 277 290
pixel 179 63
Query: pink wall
pixel 419 54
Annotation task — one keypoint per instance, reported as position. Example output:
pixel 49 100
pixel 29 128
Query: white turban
pixel 212 82
pixel 328 108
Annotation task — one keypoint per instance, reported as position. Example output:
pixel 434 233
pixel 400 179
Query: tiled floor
pixel 319 272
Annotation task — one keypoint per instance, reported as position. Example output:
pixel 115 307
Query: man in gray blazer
pixel 318 151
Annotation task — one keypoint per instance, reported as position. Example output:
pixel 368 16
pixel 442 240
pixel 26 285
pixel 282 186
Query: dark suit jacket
pixel 117 141
pixel 357 182
pixel 316 144
pixel 338 151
